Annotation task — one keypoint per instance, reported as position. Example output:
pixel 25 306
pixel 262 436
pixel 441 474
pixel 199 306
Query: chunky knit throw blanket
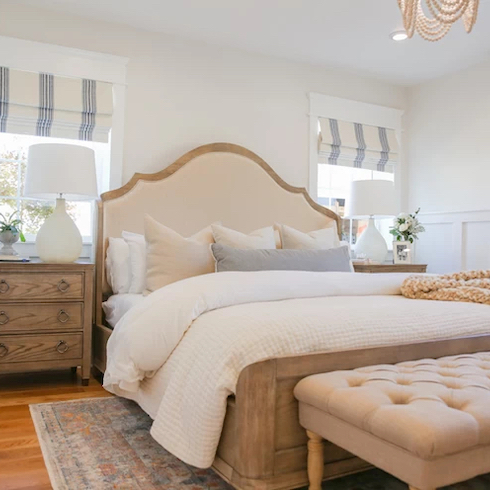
pixel 469 286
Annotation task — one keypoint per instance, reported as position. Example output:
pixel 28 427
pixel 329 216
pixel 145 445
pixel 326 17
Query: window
pixel 35 76
pixel 351 140
pixel 333 189
pixel 13 162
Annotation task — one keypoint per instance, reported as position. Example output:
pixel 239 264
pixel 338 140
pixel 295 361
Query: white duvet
pixel 196 336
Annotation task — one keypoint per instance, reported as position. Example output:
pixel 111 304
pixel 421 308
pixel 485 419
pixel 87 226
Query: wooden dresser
pixel 379 268
pixel 46 317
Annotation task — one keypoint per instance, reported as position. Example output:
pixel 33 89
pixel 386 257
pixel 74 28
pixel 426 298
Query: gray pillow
pixel 236 259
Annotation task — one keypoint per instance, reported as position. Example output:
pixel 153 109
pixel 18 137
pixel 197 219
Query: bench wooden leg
pixel 315 460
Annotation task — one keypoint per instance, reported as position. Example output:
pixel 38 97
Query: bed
pixel 261 445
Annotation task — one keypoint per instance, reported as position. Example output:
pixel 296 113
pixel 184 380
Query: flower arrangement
pixel 406 227
pixel 9 224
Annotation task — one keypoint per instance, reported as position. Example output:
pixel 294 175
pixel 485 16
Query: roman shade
pixel 357 145
pixel 47 105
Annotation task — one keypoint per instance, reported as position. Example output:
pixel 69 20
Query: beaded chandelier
pixel 443 14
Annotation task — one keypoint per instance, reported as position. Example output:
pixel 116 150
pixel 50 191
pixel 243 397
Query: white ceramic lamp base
pixel 59 241
pixel 371 244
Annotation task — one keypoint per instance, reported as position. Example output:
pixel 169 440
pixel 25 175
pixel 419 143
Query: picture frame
pixel 402 252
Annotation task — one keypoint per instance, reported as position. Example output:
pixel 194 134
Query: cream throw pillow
pixel 263 238
pixel 315 240
pixel 171 257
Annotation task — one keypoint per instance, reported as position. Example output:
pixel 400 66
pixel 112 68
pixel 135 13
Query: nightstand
pixel 378 268
pixel 46 317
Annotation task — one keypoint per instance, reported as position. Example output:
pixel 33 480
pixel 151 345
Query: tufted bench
pixel 426 422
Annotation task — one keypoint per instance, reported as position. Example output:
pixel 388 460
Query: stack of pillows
pixel 142 264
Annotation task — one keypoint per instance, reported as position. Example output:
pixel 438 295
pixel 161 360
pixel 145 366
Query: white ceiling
pixel 353 34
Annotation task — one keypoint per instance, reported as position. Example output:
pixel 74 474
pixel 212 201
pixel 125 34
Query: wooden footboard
pixel 262 444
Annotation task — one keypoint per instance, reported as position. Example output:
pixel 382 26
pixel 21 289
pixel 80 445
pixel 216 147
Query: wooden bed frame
pixel 262 446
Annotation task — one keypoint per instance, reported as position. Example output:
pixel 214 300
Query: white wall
pixel 448 137
pixel 182 94
pixel 448 134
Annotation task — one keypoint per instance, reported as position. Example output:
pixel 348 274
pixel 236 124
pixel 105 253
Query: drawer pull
pixel 4 318
pixel 63 286
pixel 63 316
pixel 4 286
pixel 62 347
pixel 4 350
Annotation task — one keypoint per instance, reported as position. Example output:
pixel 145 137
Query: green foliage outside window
pixel 12 177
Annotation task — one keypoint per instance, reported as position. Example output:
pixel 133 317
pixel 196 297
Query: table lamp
pixel 63 172
pixel 370 199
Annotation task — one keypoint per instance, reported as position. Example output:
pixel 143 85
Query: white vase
pixel 59 241
pixel 371 244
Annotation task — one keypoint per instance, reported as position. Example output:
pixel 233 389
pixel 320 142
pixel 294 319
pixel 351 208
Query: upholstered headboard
pixel 216 182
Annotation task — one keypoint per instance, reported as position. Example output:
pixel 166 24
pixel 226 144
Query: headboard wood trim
pixel 167 172
pixel 213 148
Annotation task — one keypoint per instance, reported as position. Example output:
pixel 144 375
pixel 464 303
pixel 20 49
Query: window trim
pixel 33 56
pixel 19 197
pixel 37 57
pixel 321 105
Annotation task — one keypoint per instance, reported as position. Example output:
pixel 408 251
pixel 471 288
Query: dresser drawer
pixel 47 347
pixel 35 317
pixel 40 286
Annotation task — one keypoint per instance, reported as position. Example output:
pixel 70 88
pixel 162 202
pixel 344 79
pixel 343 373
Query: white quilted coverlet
pixel 239 318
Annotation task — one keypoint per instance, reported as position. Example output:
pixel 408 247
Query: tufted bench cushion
pixel 427 421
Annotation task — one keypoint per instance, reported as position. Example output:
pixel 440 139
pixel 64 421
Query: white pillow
pixel 118 266
pixel 171 257
pixel 137 256
pixel 263 238
pixel 324 238
pixel 118 305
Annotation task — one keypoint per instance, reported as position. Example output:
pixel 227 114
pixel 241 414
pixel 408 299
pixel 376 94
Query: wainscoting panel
pixel 476 245
pixel 454 241
pixel 434 247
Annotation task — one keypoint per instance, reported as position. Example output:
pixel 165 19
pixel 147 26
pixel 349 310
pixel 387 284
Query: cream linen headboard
pixel 216 182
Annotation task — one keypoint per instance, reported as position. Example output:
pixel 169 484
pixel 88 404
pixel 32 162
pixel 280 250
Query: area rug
pixel 104 443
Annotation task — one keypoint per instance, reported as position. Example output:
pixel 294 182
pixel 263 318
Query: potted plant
pixel 10 233
pixel 405 230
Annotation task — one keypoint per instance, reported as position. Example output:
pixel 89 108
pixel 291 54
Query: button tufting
pixel 455 406
pixel 453 392
pixel 403 382
pixel 355 383
pixel 446 374
pixel 452 386
pixel 401 401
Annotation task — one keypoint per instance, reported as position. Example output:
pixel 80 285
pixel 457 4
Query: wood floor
pixel 21 461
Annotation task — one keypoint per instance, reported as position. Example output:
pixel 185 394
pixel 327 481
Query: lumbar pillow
pixel 118 266
pixel 263 238
pixel 316 240
pixel 137 256
pixel 171 257
pixel 233 259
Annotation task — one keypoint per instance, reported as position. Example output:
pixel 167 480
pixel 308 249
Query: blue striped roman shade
pixel 357 145
pixel 46 105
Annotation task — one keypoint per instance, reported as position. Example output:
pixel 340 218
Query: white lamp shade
pixel 371 198
pixel 54 169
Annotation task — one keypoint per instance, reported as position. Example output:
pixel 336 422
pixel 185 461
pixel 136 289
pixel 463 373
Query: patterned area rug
pixel 104 443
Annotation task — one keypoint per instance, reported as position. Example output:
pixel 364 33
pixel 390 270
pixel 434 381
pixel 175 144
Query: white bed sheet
pixel 182 376
pixel 118 305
